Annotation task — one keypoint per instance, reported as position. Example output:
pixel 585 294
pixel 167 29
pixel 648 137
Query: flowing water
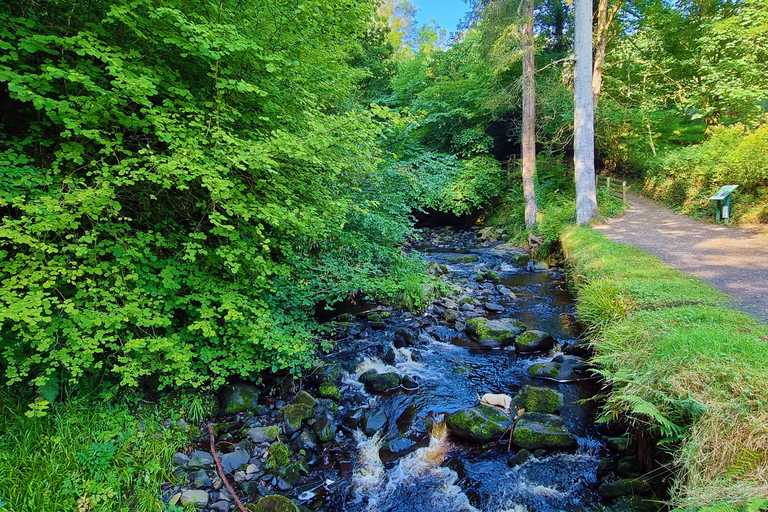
pixel 400 456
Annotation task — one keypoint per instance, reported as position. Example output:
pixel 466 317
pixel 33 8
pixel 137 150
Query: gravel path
pixel 733 260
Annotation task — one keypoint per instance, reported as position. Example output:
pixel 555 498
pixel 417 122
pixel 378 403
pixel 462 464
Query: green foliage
pixel 172 173
pixel 687 177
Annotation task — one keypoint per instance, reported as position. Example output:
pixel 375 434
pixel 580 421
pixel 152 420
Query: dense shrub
pixel 686 178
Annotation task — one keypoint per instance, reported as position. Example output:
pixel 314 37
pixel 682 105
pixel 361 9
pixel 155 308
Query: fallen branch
pixel 221 470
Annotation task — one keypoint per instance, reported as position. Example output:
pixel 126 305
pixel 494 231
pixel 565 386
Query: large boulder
pixel 482 424
pixel 503 330
pixel 537 399
pixel 238 398
pixel 535 430
pixel 534 341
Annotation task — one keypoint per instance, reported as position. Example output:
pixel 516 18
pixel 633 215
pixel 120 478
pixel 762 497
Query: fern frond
pixel 49 390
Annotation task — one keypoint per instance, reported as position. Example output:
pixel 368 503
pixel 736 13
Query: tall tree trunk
pixel 584 115
pixel 604 22
pixel 529 116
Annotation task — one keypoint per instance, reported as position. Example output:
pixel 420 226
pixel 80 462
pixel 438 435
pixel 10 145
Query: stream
pixel 390 444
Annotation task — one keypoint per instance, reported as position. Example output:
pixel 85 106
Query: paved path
pixel 732 260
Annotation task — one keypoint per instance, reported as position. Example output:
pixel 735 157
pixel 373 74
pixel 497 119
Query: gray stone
pixel 252 468
pixel 451 315
pixel 240 476
pixel 220 506
pixel 232 461
pixel 521 457
pixel 534 430
pixel 325 429
pixel 180 459
pixel 263 434
pixel 624 487
pixel 490 306
pixel 376 382
pixel 198 498
pixel 503 330
pixel 489 343
pixel 201 480
pixel 306 441
pixel 374 422
pixel 239 398
pixel 283 485
pixel 200 459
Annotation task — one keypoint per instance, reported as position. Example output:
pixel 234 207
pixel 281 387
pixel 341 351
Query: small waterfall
pixel 416 483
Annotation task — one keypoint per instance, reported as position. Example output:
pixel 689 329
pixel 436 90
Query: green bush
pixel 738 155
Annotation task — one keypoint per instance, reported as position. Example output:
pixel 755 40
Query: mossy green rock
pixel 328 390
pixel 325 429
pixel 294 415
pixel 264 434
pixel 537 399
pixel 467 300
pixel 624 487
pixel 492 276
pixel 376 382
pixel 535 430
pixel 305 398
pixel 619 444
pixel 548 370
pixel 239 398
pixel 275 503
pixel 463 259
pixel 534 341
pixel 482 424
pixel 502 330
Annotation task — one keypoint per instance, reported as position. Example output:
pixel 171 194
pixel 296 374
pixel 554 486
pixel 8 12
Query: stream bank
pixel 393 420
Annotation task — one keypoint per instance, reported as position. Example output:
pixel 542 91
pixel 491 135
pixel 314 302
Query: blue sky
pixel 448 13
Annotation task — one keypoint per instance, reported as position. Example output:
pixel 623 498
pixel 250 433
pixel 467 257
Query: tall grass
pixel 93 453
pixel 689 369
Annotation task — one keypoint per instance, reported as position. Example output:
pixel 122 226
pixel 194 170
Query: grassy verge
pixel 98 452
pixel 693 371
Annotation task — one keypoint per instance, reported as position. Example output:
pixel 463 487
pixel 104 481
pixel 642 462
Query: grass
pixel 97 452
pixel 691 370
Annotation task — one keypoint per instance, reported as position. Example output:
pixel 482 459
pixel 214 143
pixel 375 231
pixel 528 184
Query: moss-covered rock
pixel 502 330
pixel 325 429
pixel 376 382
pixel 329 390
pixel 482 424
pixel 534 341
pixel 492 276
pixel 467 300
pixel 629 467
pixel 619 444
pixel 294 415
pixel 537 399
pixel 521 259
pixel 451 315
pixel 264 434
pixel 535 430
pixel 479 278
pixel 624 487
pixel 463 259
pixel 548 370
pixel 239 398
pixel 376 320
pixel 275 503
pixel 305 398
pixel 279 463
pixel 521 457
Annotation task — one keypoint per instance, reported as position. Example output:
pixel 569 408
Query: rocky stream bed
pixel 475 404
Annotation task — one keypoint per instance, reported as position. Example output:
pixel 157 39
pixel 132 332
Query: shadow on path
pixel 733 260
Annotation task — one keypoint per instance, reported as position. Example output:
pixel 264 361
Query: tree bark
pixel 604 22
pixel 584 115
pixel 529 116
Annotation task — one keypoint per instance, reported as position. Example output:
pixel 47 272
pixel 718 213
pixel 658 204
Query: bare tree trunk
pixel 604 22
pixel 529 116
pixel 584 115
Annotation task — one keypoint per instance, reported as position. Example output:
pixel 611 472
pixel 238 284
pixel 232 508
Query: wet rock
pixel 198 498
pixel 521 457
pixel 471 258
pixel 275 503
pixel 353 419
pixel 503 330
pixel 618 444
pixel 220 506
pixel 582 349
pixel 482 424
pixel 374 422
pixel 534 341
pixel 376 321
pixel 293 416
pixel 376 382
pixel 467 301
pixel 325 429
pixel 200 459
pixel 405 334
pixel 416 356
pixel 326 405
pixel 305 398
pixel 306 441
pixel 490 306
pixel 451 315
pixel 233 461
pixel 624 487
pixel 537 399
pixel 263 434
pixel 490 343
pixel 535 430
pixel 388 356
pixel 239 398
pixel 329 390
pixel 409 384
pixel 467 307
